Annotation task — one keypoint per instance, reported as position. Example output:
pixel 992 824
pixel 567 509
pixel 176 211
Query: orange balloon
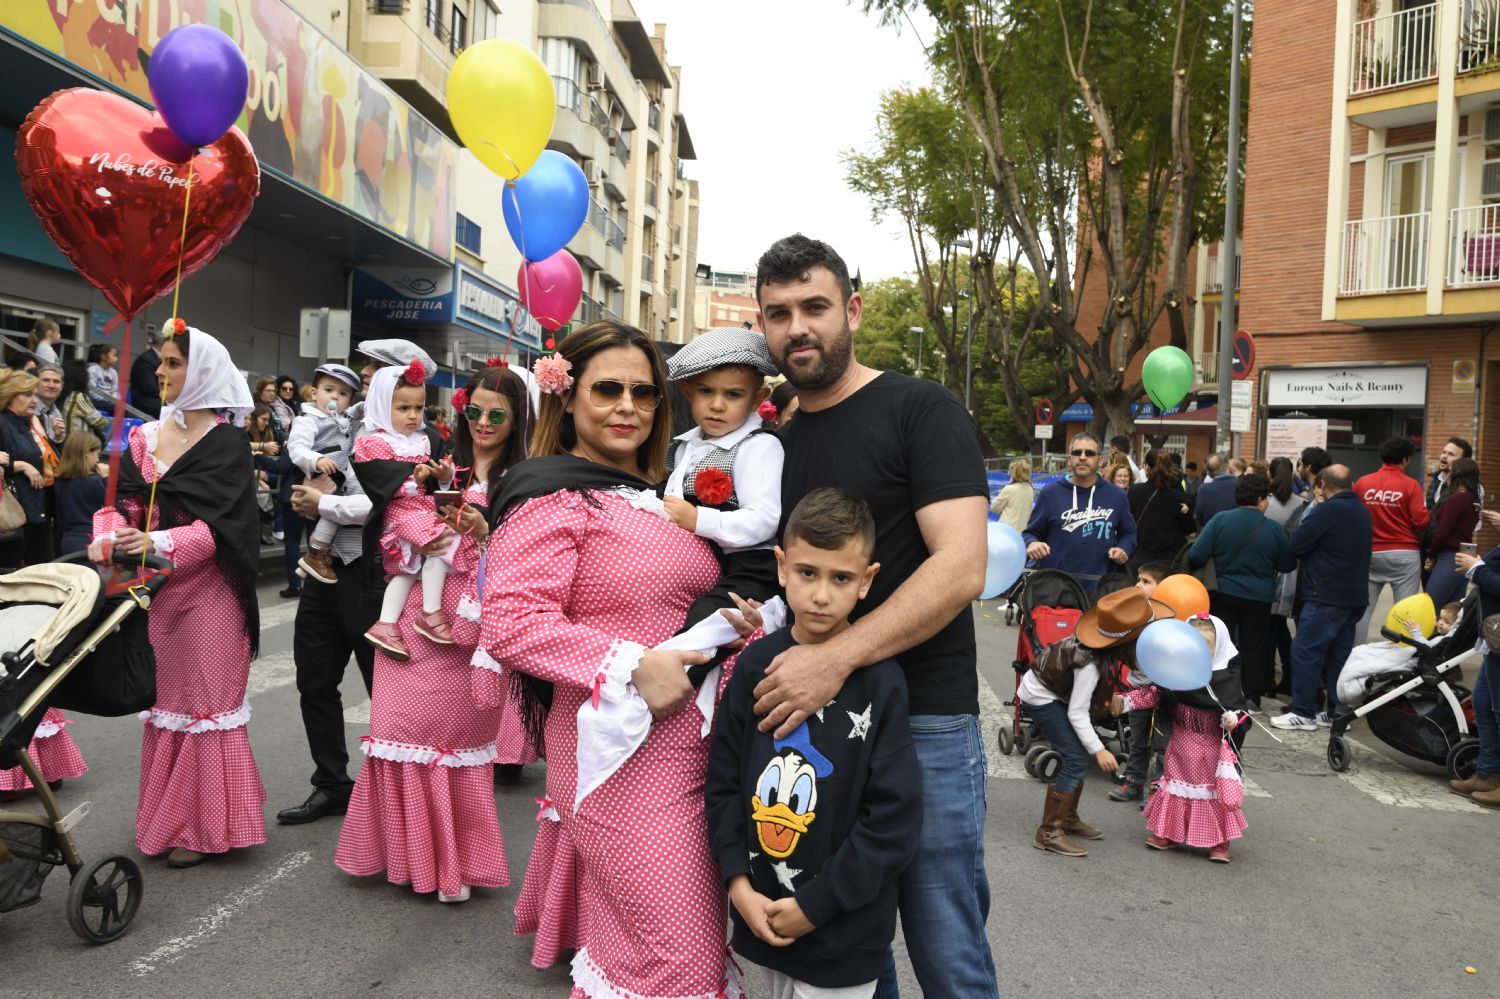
pixel 1184 594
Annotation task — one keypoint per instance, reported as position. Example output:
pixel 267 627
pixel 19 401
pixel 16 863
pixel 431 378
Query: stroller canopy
pixel 73 590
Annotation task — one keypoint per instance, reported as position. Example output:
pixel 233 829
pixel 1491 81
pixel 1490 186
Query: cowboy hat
pixel 1118 618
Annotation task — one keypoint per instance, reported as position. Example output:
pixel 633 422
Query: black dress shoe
pixel 507 773
pixel 317 805
pixel 291 592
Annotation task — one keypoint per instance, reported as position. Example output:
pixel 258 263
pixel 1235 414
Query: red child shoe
pixel 387 637
pixel 1219 854
pixel 435 627
pixel 1159 843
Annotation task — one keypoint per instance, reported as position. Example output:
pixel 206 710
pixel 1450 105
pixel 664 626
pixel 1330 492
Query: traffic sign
pixel 1044 431
pixel 1244 354
pixel 1044 411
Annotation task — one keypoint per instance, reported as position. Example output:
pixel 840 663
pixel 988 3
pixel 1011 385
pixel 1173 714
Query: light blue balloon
pixel 1007 557
pixel 546 206
pixel 1174 655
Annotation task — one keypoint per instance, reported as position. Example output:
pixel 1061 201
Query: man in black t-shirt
pixel 910 449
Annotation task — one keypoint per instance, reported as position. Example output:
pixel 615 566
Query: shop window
pixel 466 234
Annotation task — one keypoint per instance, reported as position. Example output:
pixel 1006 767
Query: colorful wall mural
pixel 313 114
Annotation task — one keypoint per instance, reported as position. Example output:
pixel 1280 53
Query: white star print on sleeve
pixel 786 875
pixel 860 722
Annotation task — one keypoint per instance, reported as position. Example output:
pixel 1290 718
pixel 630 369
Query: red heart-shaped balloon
pixel 108 179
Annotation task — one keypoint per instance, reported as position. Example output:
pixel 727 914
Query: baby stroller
pixel 70 639
pixel 1051 602
pixel 1417 706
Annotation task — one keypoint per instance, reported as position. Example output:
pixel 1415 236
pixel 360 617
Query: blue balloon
pixel 1174 655
pixel 199 81
pixel 1007 557
pixel 546 207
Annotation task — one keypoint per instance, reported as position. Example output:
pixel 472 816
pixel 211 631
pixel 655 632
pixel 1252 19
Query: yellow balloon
pixel 1418 610
pixel 502 103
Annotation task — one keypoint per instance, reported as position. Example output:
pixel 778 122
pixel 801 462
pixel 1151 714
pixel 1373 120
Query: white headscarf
pixel 212 382
pixel 1224 649
pixel 378 411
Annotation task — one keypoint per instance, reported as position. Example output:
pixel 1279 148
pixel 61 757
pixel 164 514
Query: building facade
pixel 726 298
pixel 1370 275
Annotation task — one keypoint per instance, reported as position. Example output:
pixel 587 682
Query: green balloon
pixel 1168 376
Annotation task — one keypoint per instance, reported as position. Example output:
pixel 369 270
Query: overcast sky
pixel 774 91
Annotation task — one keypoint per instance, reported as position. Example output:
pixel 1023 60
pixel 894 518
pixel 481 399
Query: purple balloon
pixel 199 81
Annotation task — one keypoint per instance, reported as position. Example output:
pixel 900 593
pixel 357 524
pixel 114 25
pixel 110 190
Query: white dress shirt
pixel 757 486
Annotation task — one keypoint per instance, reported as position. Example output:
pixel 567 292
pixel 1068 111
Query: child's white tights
pixel 434 574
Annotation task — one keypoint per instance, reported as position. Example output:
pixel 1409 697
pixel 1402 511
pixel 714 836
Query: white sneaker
pixel 462 896
pixel 278 536
pixel 1295 722
pixel 1323 719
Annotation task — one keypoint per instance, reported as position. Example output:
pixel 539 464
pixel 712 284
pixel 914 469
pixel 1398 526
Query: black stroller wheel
pixel 1047 766
pixel 1007 740
pixel 1463 759
pixel 1023 738
pixel 1032 756
pixel 1338 754
pixel 104 898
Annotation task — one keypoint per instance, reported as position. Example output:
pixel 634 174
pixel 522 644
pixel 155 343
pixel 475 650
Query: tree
pixel 1097 123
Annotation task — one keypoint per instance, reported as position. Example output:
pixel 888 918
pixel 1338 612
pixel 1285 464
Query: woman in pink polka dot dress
pixel 200 790
pixel 54 753
pixel 593 577
pixel 423 808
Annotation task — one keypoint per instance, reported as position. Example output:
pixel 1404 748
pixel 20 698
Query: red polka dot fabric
pixel 577 580
pixel 548 903
pixel 52 750
pixel 200 788
pixel 410 517
pixel 1186 807
pixel 423 808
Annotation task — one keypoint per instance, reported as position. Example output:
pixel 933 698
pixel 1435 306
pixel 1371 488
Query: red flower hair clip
pixel 175 327
pixel 415 374
pixel 713 486
pixel 496 362
pixel 460 400
pixel 767 411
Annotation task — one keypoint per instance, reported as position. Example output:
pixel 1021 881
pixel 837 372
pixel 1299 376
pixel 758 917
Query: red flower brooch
pixel 713 486
pixel 767 411
pixel 496 362
pixel 460 400
pixel 415 373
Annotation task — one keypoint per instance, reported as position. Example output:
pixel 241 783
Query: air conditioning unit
pixel 1489 186
pixel 593 172
pixel 1492 125
pixel 595 76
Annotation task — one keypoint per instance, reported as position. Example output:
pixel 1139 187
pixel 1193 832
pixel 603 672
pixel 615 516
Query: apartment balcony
pixel 653 117
pixel 651 196
pixel 411 46
pixel 1398 59
pixel 1385 255
pixel 648 270
pixel 588 245
pixel 1213 274
pixel 575 131
pixel 1386 265
pixel 1474 247
pixel 1398 49
pixel 589 310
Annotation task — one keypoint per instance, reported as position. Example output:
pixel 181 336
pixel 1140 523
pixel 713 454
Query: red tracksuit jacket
pixel 1398 512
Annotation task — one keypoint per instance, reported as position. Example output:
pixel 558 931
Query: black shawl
pixel 380 478
pixel 213 481
pixel 527 480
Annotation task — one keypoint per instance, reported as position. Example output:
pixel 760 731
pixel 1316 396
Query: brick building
pixel 726 298
pixel 1371 239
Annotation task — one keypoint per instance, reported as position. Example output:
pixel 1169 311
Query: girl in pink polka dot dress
pixel 593 577
pixel 200 790
pixel 54 753
pixel 423 808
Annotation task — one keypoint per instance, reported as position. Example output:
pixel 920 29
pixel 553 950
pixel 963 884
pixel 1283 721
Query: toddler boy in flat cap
pixel 725 481
pixel 318 445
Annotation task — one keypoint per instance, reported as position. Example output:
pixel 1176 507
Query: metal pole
pixel 969 361
pixel 1229 273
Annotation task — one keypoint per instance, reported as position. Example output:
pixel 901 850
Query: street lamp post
pixel 962 243
pixel 920 331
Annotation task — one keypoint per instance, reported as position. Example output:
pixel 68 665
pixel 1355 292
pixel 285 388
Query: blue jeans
pixel 1446 584
pixel 1486 702
pixel 1052 722
pixel 1325 636
pixel 945 895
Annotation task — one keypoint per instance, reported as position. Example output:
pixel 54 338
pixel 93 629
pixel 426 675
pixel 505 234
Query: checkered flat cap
pixel 719 347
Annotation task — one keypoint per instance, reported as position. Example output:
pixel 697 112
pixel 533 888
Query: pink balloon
pixel 551 288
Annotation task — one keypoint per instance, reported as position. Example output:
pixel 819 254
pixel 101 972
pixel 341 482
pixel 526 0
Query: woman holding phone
pixel 423 807
pixel 1453 528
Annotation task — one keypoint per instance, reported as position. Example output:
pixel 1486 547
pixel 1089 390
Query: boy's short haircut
pixel 829 518
pixel 1156 570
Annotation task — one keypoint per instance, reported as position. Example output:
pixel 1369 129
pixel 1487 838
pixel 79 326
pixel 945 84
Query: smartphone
pixel 446 497
pixel 1468 548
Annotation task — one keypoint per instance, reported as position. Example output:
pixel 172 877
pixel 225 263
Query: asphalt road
pixel 1376 882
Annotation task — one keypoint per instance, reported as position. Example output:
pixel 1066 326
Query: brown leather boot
pixel 1476 783
pixel 1489 799
pixel 318 564
pixel 1073 825
pixel 1050 835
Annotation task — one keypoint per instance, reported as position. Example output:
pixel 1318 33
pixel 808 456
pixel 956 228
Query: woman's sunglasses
pixel 645 395
pixel 494 417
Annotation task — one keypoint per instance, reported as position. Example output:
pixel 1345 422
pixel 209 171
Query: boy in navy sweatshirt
pixel 811 832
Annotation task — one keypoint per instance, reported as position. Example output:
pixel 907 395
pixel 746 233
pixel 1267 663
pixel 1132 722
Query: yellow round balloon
pixel 1418 610
pixel 501 100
